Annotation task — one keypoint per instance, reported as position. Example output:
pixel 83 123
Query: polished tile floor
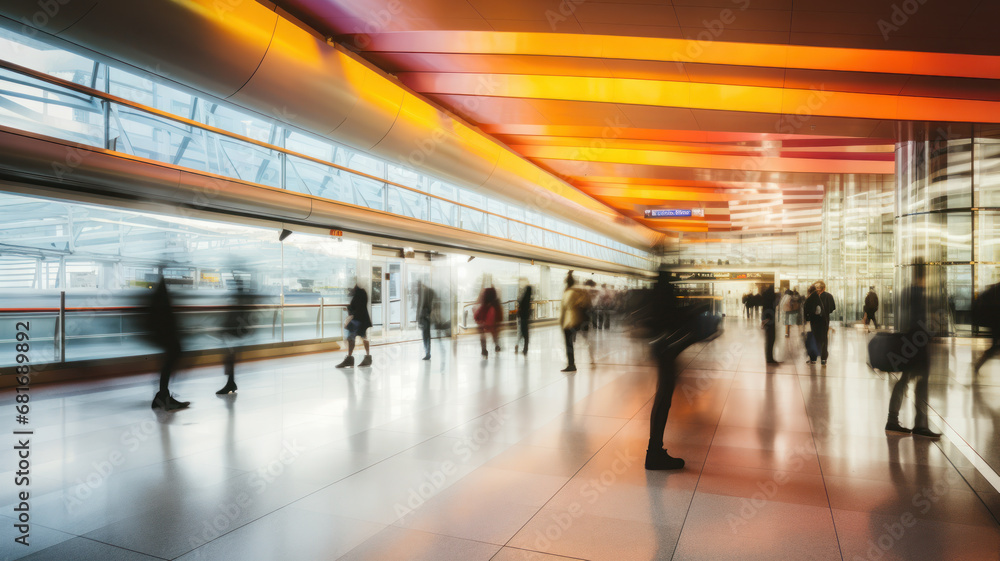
pixel 509 459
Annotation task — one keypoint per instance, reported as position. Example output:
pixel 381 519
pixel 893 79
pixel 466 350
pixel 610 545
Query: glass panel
pixel 36 55
pixel 309 146
pixel 367 192
pixel 444 212
pixel 498 226
pixel 407 203
pixel 34 106
pixel 473 220
pixel 306 176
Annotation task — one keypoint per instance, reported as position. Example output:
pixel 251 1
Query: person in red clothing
pixel 487 316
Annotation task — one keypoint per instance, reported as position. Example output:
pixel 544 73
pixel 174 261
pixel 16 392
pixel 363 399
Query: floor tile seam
pixel 387 526
pixel 84 537
pixel 536 551
pixel 573 476
pixel 826 489
pixel 697 483
pixel 399 453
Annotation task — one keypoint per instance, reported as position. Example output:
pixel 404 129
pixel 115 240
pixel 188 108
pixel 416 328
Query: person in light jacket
pixel 574 317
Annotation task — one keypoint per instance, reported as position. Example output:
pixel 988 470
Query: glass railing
pixel 51 106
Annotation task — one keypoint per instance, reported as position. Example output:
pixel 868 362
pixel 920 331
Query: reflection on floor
pixel 508 459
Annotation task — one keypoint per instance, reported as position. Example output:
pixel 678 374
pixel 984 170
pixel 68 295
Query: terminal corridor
pixel 509 459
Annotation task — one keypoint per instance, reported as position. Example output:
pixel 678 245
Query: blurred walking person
pixel 487 316
pixel 768 322
pixel 164 333
pixel 238 323
pixel 917 336
pixel 819 306
pixel 986 313
pixel 674 329
pixel 357 325
pixel 425 308
pixel 574 317
pixel 870 307
pixel 523 318
pixel 790 310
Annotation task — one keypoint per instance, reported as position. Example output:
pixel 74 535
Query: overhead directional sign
pixel 674 212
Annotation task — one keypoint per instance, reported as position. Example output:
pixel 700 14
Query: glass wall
pixel 256 150
pixel 107 260
pixel 947 209
pixel 851 249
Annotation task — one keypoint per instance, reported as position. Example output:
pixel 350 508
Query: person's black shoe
pixel 925 432
pixel 773 362
pixel 348 362
pixel 824 363
pixel 168 403
pixel 428 357
pixel 496 348
pixel 367 361
pixel 894 426
pixel 810 361
pixel 485 354
pixel 570 368
pixel 230 387
pixel 660 460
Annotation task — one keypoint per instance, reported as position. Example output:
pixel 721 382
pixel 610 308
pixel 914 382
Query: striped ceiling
pixel 746 109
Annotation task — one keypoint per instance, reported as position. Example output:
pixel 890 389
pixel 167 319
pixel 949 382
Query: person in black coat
pixel 163 332
pixel 870 307
pixel 818 308
pixel 357 326
pixel 523 318
pixel 674 329
pixel 768 322
pixel 425 307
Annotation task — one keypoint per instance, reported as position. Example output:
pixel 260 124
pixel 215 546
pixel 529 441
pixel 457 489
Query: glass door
pixel 393 299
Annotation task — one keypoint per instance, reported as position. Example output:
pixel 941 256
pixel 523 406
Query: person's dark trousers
pixel 666 380
pixel 821 331
pixel 570 335
pixel 425 331
pixel 748 310
pixel 769 335
pixel 870 314
pixel 607 319
pixel 523 330
pixel 230 365
pixel 920 373
pixel 990 352
pixel 171 355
